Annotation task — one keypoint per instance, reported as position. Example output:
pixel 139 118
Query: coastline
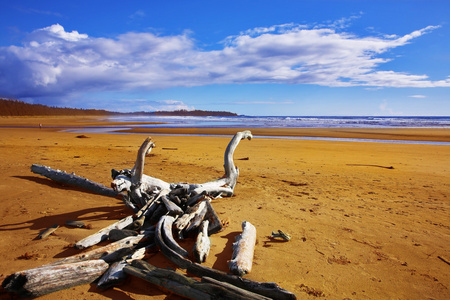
pixel 359 228
pixel 63 123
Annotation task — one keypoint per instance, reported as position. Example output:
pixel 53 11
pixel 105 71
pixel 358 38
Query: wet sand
pixel 360 229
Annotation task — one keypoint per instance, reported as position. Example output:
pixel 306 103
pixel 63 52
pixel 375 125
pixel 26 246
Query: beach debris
pixel 281 234
pixel 82 136
pixel 243 249
pixel 444 259
pixel 377 166
pixel 78 224
pixel 48 231
pixel 160 209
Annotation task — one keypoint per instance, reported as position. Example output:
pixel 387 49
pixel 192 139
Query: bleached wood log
pixel 203 243
pixel 243 249
pixel 46 280
pixel 102 234
pixel 102 252
pixel 72 179
pixel 226 184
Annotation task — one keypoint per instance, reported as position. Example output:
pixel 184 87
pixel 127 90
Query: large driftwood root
pixel 160 208
pixel 140 187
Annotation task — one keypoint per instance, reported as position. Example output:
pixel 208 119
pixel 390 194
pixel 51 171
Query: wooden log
pixel 44 234
pixel 118 234
pixel 243 249
pixel 78 224
pixel 115 274
pixel 161 279
pixel 196 221
pixel 235 289
pixel 203 243
pixel 102 252
pixel 215 225
pixel 164 229
pixel 102 234
pixel 160 211
pixel 172 255
pixel 268 289
pixel 72 179
pixel 172 208
pixel 46 280
pixel 183 222
pixel 186 286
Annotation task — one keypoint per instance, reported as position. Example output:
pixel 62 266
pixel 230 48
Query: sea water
pixel 287 121
pixel 277 122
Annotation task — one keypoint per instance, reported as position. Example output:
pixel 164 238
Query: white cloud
pixel 163 105
pixel 418 96
pixel 54 61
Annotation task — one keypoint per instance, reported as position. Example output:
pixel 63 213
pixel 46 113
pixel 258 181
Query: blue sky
pixel 250 57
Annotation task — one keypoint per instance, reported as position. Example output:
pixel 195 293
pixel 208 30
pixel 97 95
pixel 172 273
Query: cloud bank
pixel 55 62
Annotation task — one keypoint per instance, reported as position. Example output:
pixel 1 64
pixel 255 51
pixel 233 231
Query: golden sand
pixel 360 229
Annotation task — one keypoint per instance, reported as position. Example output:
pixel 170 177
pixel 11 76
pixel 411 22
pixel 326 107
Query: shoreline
pixel 364 133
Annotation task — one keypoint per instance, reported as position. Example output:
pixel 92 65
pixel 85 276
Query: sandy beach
pixel 367 220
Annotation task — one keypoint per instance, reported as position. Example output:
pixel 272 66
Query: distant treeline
pixel 19 108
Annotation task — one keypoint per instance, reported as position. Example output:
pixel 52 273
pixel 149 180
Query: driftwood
pixel 183 222
pixel 203 243
pixel 49 279
pixel 108 253
pixel 186 286
pixel 102 234
pixel 158 206
pixel 115 274
pixel 48 231
pixel 243 249
pixel 139 186
pixel 268 289
pixel 72 179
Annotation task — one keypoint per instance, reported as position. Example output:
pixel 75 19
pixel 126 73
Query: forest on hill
pixel 19 108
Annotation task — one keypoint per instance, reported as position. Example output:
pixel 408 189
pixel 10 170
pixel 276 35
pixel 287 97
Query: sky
pixel 251 57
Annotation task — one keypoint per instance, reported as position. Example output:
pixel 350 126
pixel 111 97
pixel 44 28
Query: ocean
pixel 279 122
pixel 289 121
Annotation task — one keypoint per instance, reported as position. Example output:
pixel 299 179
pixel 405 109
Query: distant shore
pixel 61 123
